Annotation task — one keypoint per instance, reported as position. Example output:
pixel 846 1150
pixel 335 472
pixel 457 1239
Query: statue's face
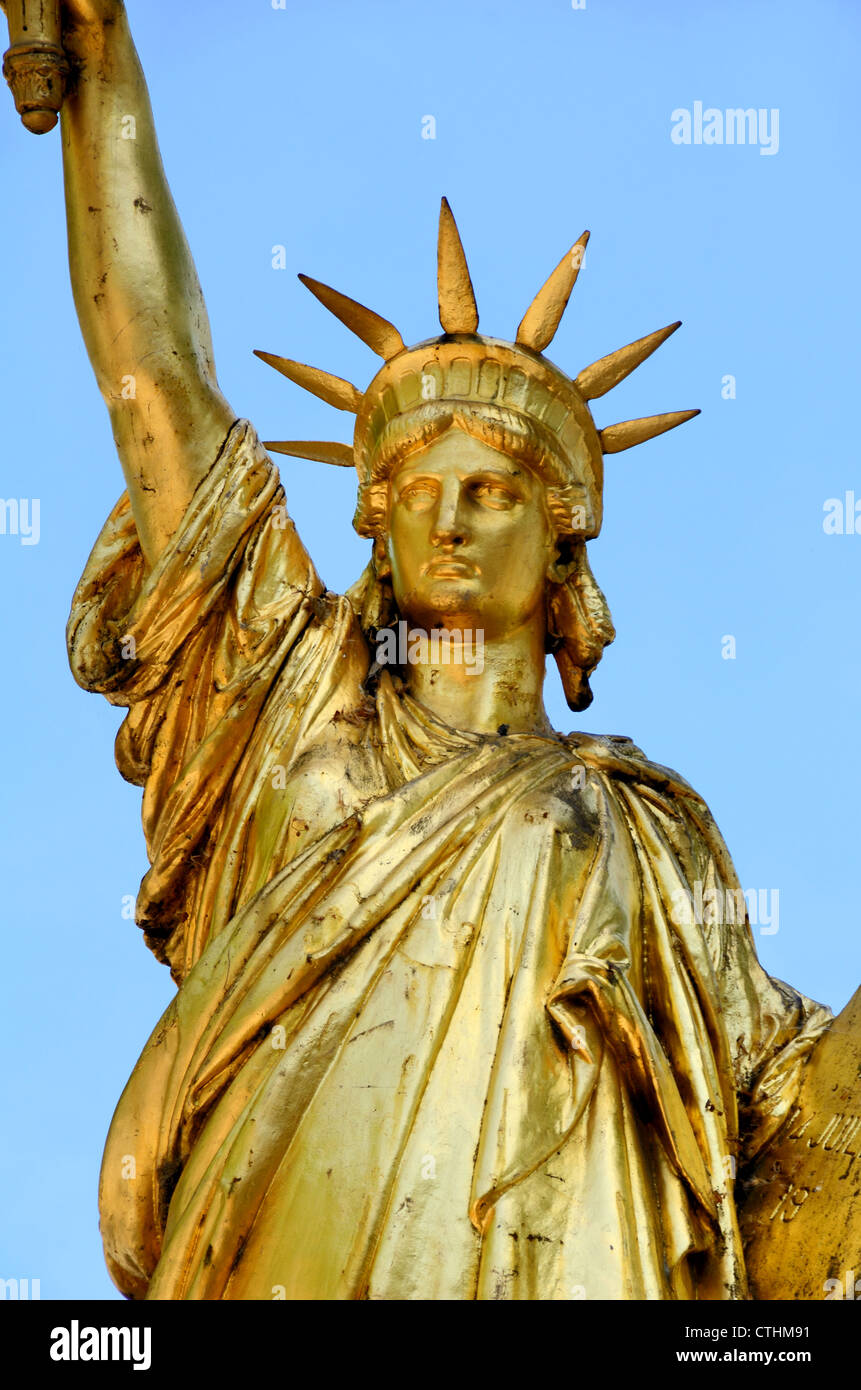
pixel 470 541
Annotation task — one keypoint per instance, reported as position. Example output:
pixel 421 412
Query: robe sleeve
pixel 191 648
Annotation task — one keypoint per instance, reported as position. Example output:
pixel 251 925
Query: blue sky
pixel 302 128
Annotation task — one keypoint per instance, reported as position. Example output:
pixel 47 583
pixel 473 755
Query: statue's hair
pixel 579 625
pixel 518 436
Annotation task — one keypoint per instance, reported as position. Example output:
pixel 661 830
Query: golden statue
pixel 443 1026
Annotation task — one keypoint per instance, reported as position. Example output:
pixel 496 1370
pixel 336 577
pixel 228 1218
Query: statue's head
pixel 474 529
pixel 470 542
pixel 480 468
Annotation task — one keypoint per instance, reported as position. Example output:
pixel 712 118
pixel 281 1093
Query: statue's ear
pixel 563 561
pixel 382 564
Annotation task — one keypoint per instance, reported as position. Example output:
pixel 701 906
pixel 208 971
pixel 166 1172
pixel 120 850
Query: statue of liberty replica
pixel 449 1023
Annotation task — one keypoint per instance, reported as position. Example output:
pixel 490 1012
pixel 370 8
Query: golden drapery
pixel 439 1030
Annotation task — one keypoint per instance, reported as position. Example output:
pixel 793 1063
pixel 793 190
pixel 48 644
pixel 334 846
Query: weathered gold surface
pixel 458 312
pixel 444 1027
pixel 34 64
pixel 801 1217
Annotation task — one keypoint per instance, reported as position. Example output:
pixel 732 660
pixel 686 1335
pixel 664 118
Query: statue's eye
pixel 494 494
pixel 417 494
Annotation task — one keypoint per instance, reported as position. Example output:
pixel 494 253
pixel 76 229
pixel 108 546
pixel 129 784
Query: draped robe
pixel 441 1030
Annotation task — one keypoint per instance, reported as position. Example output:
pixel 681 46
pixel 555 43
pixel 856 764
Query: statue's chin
pixel 449 603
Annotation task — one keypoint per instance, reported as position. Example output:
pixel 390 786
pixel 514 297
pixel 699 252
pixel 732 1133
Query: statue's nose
pixel 449 532
pixel 450 526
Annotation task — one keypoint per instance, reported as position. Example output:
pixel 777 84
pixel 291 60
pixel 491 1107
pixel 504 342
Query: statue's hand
pixel 82 13
pixel 85 23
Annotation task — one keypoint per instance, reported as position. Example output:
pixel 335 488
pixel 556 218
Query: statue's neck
pixel 487 685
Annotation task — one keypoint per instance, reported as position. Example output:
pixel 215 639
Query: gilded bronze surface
pixel 445 1026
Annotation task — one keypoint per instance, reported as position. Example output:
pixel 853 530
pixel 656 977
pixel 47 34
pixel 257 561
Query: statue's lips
pixel 450 569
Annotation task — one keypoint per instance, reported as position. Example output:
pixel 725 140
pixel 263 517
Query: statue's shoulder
pixel 620 758
pixel 647 787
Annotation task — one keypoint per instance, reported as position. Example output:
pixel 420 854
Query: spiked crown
pixel 468 372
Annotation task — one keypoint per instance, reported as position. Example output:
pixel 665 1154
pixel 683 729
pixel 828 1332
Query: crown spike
pixel 457 308
pixel 331 389
pixel 380 335
pixel 607 372
pixel 319 450
pixel 542 318
pixel 631 432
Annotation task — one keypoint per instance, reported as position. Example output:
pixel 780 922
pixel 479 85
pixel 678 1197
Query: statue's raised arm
pixel 136 290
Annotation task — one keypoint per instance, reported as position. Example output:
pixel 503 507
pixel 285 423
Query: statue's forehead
pixel 459 452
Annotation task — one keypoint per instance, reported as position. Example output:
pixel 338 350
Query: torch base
pixel 38 74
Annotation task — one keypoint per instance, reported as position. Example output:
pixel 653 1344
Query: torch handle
pixel 34 64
